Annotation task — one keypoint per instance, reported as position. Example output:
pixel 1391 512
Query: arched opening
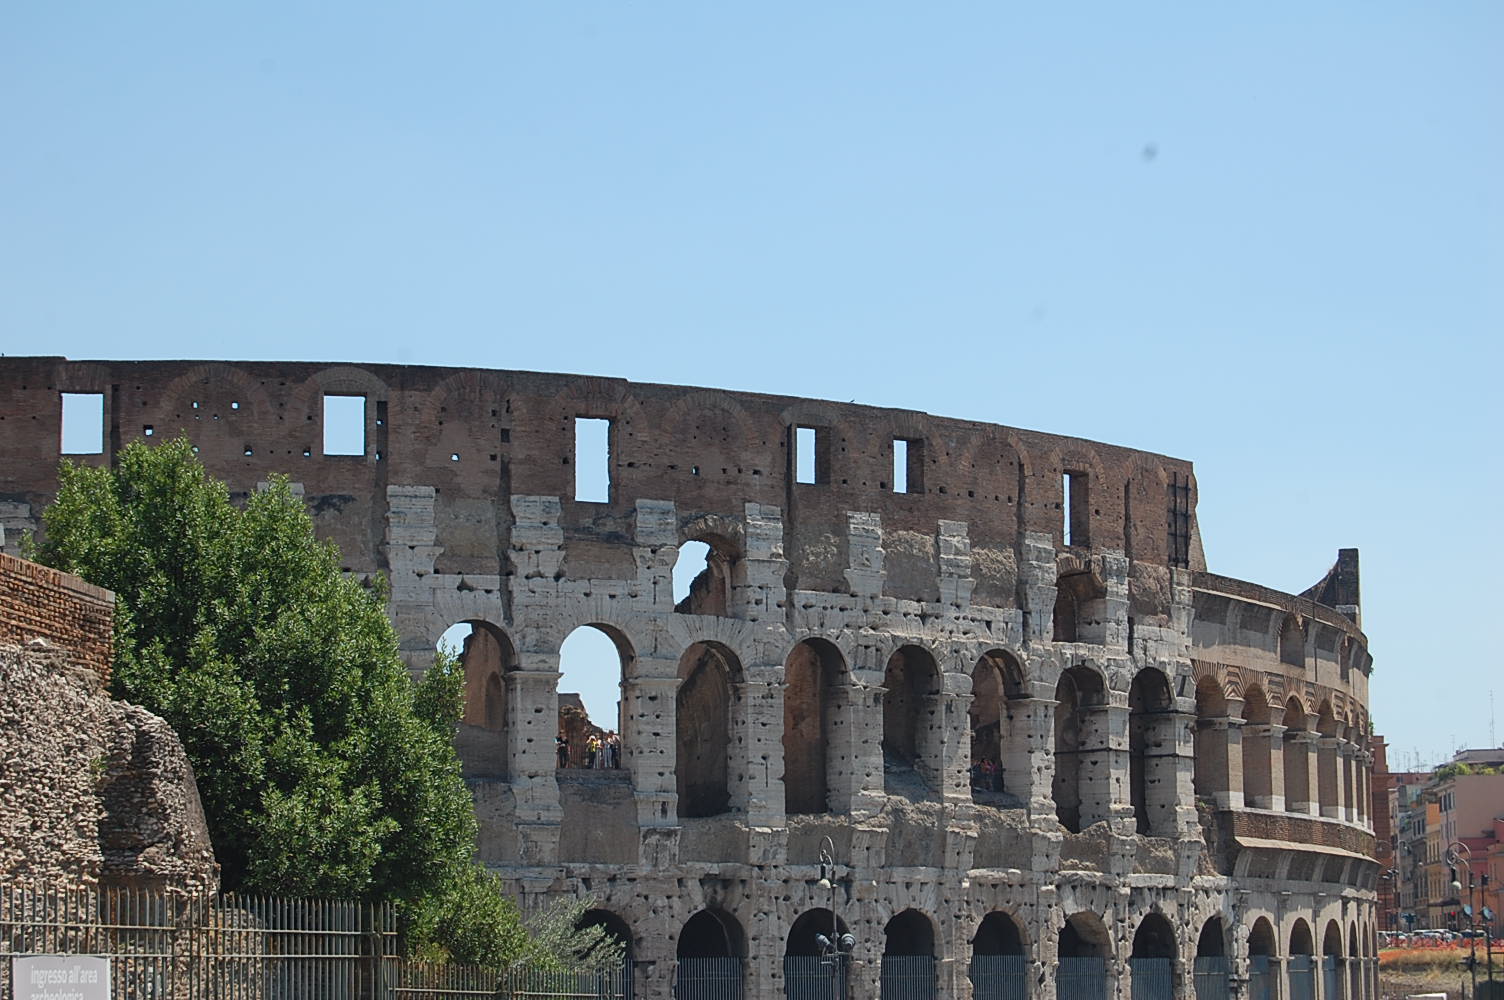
pixel 1080 748
pixel 703 576
pixel 593 664
pixel 1327 777
pixel 813 701
pixel 1296 751
pixel 1151 752
pixel 712 951
pixel 485 656
pixel 1263 949
pixel 1151 964
pixel 815 963
pixel 999 965
pixel 1212 968
pixel 1210 773
pixel 1084 948
pixel 709 677
pixel 616 984
pixel 912 723
pixel 998 747
pixel 1258 778
pixel 1080 608
pixel 1292 642
pixel 908 968
pixel 1332 980
pixel 1302 962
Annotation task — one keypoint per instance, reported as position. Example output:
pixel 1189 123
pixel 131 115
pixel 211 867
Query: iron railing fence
pixel 1331 978
pixel 1152 978
pixel 1000 977
pixel 1261 978
pixel 810 977
pixel 1212 974
pixel 1081 979
pixel 1302 977
pixel 167 946
pixel 907 977
pixel 709 979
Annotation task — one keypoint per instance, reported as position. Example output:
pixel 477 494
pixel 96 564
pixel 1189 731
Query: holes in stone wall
pixel 344 424
pixel 592 459
pixel 83 423
pixel 1082 782
pixel 1151 752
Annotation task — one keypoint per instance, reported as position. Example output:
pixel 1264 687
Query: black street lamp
pixel 836 948
pixel 1459 854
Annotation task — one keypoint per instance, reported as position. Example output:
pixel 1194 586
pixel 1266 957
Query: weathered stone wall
pixel 75 617
pixel 92 791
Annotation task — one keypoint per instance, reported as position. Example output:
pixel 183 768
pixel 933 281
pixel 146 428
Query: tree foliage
pixel 322 768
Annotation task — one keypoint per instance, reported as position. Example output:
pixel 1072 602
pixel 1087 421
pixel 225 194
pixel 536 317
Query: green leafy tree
pixel 323 769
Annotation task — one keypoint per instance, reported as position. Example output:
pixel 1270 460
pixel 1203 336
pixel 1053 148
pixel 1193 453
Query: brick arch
pixel 215 376
pixel 689 410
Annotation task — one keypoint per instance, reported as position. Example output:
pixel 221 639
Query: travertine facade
pixel 1028 719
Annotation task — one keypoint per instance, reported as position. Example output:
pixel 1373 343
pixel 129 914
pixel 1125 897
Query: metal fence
pixel 1000 977
pixel 1152 978
pixel 1081 979
pixel 1261 978
pixel 1302 977
pixel 907 977
pixel 165 946
pixel 1331 978
pixel 1212 974
pixel 810 977
pixel 709 979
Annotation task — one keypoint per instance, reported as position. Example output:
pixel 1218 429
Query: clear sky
pixel 1268 237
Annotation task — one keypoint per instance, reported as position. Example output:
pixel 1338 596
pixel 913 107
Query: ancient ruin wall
pixel 850 650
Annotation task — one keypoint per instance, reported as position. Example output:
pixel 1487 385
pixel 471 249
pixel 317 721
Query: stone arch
pixel 909 952
pixel 913 722
pixel 1151 962
pixel 710 674
pixel 1081 746
pixel 713 546
pixel 1083 948
pixel 998 744
pixel 999 959
pixel 813 943
pixel 1151 752
pixel 485 659
pixel 1212 967
pixel 1210 772
pixel 1212 941
pixel 598 736
pixel 221 408
pixel 815 693
pixel 1296 757
pixel 710 933
pixel 1258 749
pixel 1080 607
pixel 619 931
pixel 1263 954
pixel 1292 641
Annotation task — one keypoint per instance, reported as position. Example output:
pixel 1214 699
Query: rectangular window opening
pixel 1076 514
pixel 83 423
pixel 900 465
pixel 811 455
pixel 344 425
pixel 592 459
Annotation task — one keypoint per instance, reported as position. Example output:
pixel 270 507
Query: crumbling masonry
pixel 1051 752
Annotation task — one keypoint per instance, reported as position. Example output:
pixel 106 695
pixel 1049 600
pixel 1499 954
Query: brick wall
pixel 75 616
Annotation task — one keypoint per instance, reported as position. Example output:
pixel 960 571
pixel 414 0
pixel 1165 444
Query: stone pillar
pixel 531 757
pixel 1347 756
pixel 1328 797
pixel 1305 756
pixel 953 780
pixel 648 749
pixel 758 730
pixel 855 751
pixel 1219 761
pixel 757 591
pixel 1028 757
pixel 1173 795
pixel 1263 767
pixel 1104 766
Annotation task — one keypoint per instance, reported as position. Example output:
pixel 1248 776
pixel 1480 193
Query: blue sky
pixel 1268 238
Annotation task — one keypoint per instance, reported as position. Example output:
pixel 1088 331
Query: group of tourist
pixel 601 751
pixel 986 776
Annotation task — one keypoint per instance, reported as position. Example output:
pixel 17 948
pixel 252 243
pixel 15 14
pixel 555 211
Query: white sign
pixel 60 977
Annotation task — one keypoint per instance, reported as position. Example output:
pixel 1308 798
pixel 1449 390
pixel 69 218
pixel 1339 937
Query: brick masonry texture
pixel 1003 704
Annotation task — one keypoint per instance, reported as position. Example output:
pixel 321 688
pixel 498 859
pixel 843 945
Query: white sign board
pixel 60 977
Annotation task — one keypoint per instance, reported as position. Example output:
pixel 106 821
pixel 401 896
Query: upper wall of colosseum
pixel 476 436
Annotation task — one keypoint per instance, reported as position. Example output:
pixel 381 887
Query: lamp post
pixel 835 948
pixel 1458 853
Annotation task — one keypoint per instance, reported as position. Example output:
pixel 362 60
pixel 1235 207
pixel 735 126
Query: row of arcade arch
pixel 1004 719
pixel 712 959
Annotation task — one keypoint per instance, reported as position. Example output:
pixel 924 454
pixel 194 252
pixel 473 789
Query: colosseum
pixel 953 710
